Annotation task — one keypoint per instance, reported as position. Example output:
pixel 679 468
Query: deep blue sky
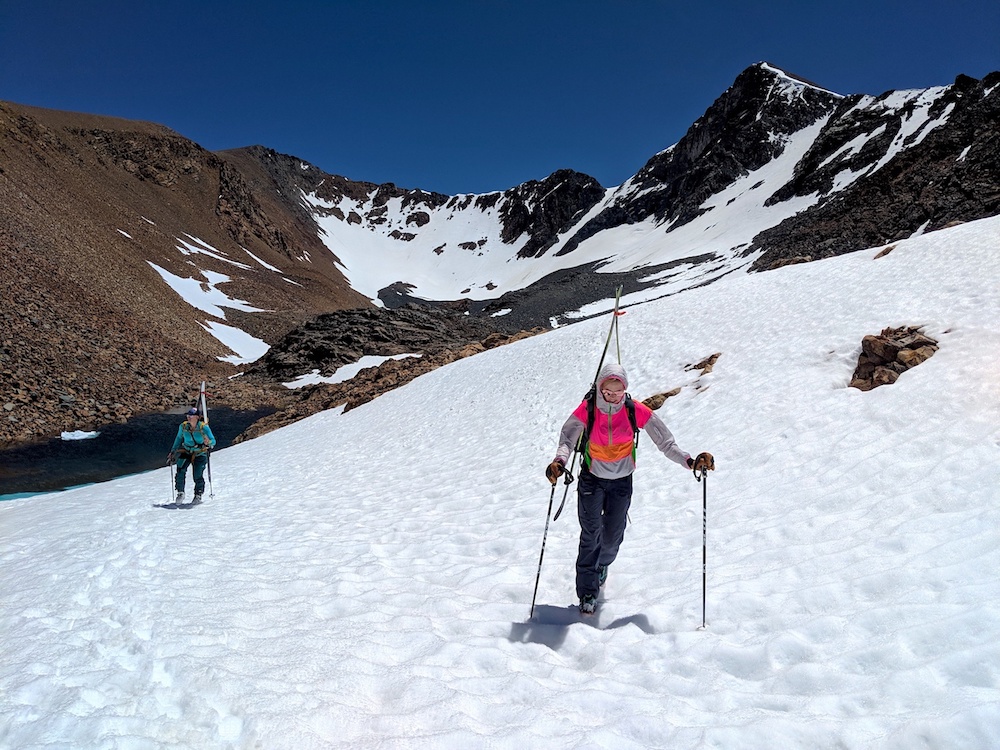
pixel 461 95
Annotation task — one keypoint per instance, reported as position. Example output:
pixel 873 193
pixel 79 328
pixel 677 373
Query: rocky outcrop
pixel 370 382
pixel 657 400
pixel 330 341
pixel 706 365
pixel 542 210
pixel 163 158
pixel 703 367
pixel 906 178
pixel 743 130
pixel 888 355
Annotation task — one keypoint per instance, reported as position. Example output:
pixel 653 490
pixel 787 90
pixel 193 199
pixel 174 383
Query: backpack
pixel 591 400
pixel 186 427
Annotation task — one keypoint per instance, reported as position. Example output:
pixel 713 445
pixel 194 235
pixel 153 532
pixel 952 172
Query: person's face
pixel 612 390
pixel 192 419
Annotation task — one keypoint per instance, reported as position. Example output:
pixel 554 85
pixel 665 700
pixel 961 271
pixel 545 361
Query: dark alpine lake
pixel 138 445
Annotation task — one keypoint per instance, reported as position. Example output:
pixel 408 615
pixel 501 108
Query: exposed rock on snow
pixel 706 364
pixel 656 401
pixel 743 130
pixel 885 357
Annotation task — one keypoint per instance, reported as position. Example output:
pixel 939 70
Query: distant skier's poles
pixel 541 555
pixel 208 465
pixel 170 468
pixel 702 476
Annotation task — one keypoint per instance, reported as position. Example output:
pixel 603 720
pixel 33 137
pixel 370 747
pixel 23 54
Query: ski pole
pixel 569 481
pixel 538 576
pixel 208 464
pixel 170 468
pixel 702 476
pixel 541 555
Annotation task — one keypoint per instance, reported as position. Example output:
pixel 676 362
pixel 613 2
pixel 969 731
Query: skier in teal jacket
pixel 191 446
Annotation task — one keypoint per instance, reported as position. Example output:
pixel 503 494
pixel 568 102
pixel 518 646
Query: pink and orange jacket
pixel 611 439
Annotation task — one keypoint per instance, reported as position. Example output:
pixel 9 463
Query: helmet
pixel 192 412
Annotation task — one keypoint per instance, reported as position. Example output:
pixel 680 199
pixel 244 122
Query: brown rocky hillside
pixel 89 333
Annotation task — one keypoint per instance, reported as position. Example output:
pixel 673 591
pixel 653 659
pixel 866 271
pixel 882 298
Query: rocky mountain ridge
pixel 807 172
pixel 912 174
pixel 136 260
pixel 743 130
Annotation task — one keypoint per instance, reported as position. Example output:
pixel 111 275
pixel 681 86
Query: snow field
pixel 364 579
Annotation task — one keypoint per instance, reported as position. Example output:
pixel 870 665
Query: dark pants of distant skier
pixel 602 505
pixel 198 464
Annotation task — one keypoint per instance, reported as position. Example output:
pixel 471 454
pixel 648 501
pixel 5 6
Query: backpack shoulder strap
pixel 583 445
pixel 630 408
pixel 591 399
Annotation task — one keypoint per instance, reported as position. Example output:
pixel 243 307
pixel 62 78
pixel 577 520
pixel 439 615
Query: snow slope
pixel 363 580
pixel 456 250
pixel 433 262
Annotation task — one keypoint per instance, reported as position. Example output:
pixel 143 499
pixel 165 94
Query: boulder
pixel 888 355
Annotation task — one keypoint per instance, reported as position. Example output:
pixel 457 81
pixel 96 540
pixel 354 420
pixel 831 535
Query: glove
pixel 170 458
pixel 704 462
pixel 553 471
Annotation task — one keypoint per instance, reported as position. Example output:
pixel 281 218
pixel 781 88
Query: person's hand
pixel 704 462
pixel 170 458
pixel 553 471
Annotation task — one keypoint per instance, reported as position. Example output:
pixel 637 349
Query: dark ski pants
pixel 198 464
pixel 602 505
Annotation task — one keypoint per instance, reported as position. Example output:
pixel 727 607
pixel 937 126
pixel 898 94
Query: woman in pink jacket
pixel 604 489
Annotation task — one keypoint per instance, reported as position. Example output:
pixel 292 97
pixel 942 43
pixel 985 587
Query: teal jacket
pixel 194 441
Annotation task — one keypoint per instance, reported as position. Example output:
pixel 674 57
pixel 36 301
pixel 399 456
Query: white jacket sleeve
pixel 568 437
pixel 664 440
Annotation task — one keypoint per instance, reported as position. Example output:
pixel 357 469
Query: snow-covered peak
pixel 793 81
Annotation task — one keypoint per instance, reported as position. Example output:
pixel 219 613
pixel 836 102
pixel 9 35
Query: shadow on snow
pixel 550 625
